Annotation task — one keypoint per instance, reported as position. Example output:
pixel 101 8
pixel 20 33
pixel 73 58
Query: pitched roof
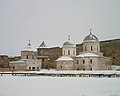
pixel 87 55
pixel 64 58
pixel 43 45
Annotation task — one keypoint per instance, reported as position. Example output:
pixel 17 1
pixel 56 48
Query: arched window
pixel 83 69
pixel 90 60
pixel 13 67
pixel 83 61
pixel 26 56
pixel 90 68
pixel 68 52
pixel 85 48
pixel 91 48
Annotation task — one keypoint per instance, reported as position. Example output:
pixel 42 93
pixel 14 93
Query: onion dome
pixel 68 44
pixel 91 37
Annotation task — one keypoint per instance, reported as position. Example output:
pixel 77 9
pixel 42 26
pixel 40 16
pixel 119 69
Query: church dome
pixel 68 43
pixel 91 37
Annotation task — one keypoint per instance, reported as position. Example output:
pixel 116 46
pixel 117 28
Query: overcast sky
pixel 53 20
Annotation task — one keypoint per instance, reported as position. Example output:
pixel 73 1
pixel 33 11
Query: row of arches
pixel 69 52
pixel 84 61
pixel 91 48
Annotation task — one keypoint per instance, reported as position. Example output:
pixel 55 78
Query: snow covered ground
pixel 58 86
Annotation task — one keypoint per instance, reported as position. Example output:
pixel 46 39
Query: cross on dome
pixel 68 37
pixel 90 31
pixel 91 37
pixel 29 44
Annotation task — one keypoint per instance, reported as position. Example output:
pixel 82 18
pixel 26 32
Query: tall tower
pixel 28 52
pixel 43 55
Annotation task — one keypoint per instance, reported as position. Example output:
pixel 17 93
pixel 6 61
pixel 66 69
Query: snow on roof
pixel 87 55
pixel 3 55
pixel 29 49
pixel 43 45
pixel 64 58
pixel 17 62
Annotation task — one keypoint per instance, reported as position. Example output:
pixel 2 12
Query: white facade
pixel 66 61
pixel 90 59
pixel 28 60
pixel 68 49
pixel 17 65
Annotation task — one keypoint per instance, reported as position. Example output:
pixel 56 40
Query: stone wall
pixel 65 65
pixel 111 48
pixel 4 61
pixel 52 53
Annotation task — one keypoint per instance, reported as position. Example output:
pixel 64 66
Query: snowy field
pixel 58 86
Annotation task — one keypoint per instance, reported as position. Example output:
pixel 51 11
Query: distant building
pixel 4 61
pixel 29 60
pixel 90 59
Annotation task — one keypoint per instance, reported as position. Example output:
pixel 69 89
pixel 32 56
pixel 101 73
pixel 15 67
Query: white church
pixel 90 59
pixel 29 60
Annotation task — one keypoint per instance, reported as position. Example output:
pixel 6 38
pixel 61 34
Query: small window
pixel 68 52
pixel 85 48
pixel 13 67
pixel 33 68
pixel 83 69
pixel 27 57
pixel 83 61
pixel 61 66
pixel 77 61
pixel 90 68
pixel 43 59
pixel 113 57
pixel 91 48
pixel 29 67
pixel 90 60
pixel 37 68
